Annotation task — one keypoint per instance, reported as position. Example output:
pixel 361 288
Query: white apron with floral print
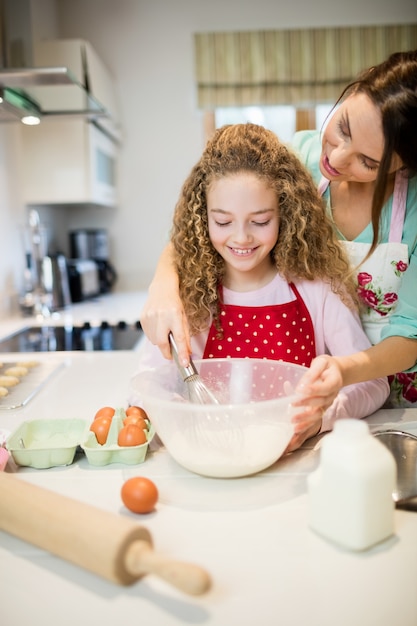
pixel 378 282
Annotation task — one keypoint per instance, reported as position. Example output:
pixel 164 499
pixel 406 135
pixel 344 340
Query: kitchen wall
pixel 147 45
pixel 12 210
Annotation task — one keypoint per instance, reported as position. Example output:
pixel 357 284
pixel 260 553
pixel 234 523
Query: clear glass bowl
pixel 245 433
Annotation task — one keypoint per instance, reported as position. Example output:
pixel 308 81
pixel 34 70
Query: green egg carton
pixel 110 452
pixel 46 443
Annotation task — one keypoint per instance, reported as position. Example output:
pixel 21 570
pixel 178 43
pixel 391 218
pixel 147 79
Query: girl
pixel 261 272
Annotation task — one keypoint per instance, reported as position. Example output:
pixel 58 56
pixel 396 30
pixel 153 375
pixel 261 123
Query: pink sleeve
pixel 356 401
pixel 339 332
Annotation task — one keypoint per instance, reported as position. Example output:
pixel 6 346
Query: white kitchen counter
pixel 250 534
pixel 112 307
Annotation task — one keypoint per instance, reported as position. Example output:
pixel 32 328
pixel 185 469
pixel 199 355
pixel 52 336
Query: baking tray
pixel 38 374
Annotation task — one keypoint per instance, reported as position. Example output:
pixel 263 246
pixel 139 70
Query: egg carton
pixel 111 452
pixel 45 443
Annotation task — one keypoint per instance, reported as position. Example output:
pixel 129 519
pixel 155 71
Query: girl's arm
pixel 164 312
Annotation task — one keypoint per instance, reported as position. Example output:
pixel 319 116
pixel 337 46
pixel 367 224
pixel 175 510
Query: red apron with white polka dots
pixel 279 332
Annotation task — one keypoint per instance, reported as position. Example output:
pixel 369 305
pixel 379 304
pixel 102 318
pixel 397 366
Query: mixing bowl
pixel 245 433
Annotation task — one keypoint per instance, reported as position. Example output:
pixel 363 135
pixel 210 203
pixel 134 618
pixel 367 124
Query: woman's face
pixel 243 223
pixel 353 142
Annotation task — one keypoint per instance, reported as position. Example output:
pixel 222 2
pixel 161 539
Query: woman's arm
pixel 328 374
pixel 164 312
pixel 338 331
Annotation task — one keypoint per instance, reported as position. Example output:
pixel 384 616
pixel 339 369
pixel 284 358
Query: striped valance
pixel 300 66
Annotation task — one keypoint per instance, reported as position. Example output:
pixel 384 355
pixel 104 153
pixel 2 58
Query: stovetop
pixel 121 336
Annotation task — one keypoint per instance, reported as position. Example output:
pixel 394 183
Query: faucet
pixel 42 295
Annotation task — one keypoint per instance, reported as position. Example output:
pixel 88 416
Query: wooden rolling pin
pixel 107 544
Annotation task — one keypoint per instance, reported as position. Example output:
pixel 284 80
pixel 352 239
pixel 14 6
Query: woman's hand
pixel 164 312
pixel 159 317
pixel 321 383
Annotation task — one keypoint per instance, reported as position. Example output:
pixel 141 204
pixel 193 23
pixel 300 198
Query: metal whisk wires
pixel 198 392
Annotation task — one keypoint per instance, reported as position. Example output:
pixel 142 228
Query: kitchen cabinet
pixel 68 162
pixel 71 159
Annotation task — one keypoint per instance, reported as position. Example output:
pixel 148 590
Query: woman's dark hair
pixel 392 87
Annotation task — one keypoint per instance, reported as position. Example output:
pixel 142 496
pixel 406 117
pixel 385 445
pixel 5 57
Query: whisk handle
pixel 185 372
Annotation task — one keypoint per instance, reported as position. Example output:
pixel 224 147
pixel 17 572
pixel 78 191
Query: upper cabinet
pixel 71 158
pixel 70 162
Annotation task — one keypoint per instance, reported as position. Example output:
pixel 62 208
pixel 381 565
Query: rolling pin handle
pixel 140 559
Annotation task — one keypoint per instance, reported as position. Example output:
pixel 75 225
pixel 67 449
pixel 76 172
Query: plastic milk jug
pixel 350 494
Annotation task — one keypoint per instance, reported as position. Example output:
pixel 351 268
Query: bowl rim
pixel 203 407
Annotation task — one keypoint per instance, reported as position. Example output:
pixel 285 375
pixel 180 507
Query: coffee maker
pixel 93 243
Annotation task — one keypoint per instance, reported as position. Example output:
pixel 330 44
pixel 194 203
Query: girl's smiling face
pixel 353 142
pixel 243 227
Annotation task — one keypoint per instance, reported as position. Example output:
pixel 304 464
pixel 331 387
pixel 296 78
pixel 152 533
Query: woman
pixel 365 164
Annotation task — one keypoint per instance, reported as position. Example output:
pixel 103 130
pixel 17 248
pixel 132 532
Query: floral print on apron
pixel 278 332
pixel 378 283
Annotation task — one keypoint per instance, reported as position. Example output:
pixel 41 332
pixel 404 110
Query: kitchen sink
pixel 121 336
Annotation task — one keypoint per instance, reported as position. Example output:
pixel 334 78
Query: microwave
pixel 103 153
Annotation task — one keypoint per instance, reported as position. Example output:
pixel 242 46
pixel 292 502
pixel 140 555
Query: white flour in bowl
pixel 232 452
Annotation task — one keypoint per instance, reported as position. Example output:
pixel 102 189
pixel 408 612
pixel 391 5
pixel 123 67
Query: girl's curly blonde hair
pixel 307 247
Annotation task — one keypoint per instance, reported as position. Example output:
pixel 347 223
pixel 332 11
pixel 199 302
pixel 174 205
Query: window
pixel 281 119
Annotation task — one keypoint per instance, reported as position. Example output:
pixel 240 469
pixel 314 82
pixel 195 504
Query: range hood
pixel 43 77
pixel 39 92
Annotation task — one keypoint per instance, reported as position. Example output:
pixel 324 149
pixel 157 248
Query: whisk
pixel 198 392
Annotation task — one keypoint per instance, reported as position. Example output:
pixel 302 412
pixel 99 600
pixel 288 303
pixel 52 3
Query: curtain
pixel 299 67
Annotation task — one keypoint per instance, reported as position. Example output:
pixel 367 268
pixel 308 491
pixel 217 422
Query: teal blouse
pixel 403 321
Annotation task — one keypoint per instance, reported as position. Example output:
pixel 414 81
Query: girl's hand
pixel 318 388
pixel 306 425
